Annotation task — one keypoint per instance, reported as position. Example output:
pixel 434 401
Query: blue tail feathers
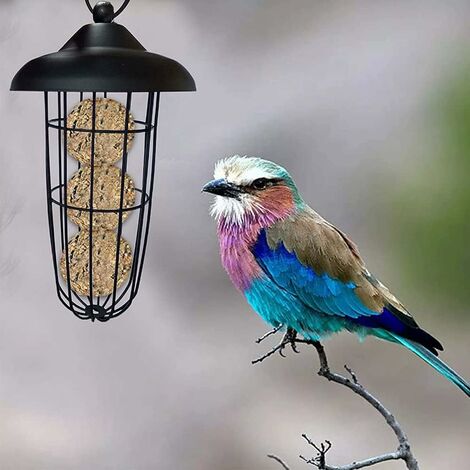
pixel 427 356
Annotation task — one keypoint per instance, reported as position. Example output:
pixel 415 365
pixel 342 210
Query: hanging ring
pixel 121 9
pixel 123 6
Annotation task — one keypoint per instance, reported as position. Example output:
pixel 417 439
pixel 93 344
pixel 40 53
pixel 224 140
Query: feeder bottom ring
pixel 97 312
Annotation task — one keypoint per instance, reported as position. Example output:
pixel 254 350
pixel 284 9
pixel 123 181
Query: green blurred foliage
pixel 432 214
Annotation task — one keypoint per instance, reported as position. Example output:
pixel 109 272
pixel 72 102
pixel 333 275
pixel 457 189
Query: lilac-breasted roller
pixel 298 270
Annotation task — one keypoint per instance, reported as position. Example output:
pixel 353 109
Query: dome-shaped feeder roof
pixel 103 57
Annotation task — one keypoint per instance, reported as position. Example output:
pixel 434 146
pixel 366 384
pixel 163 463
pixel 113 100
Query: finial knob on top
pixel 103 12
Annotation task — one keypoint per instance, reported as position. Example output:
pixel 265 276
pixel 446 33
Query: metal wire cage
pixel 101 97
pixel 93 278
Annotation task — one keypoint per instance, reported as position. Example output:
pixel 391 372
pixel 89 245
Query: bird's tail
pixel 434 362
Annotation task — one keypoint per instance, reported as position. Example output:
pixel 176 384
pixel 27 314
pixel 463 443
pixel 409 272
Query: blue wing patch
pixel 318 291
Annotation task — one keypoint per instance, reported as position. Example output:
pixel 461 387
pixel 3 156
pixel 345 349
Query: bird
pixel 298 271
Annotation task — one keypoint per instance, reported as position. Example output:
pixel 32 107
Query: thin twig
pixel 279 461
pixel 269 333
pixel 279 348
pixel 320 459
pixel 351 373
pixel 402 453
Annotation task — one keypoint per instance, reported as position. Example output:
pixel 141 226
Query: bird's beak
pixel 222 187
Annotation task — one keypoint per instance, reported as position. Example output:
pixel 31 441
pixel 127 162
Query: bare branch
pixel 368 462
pixel 356 387
pixel 319 460
pixel 402 453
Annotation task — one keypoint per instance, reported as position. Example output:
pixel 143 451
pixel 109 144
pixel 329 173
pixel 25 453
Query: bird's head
pixel 250 189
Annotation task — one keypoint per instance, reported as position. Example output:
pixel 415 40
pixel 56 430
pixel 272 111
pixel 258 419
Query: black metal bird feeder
pixel 101 96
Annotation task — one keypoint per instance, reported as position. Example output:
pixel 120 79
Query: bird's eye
pixel 260 183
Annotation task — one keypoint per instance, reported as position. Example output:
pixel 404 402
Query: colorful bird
pixel 298 271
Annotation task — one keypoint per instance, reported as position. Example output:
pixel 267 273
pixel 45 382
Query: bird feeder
pixel 101 98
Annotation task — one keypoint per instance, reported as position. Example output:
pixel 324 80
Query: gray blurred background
pixel 368 105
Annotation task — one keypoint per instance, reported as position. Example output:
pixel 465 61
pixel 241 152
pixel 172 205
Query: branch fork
pixel 403 451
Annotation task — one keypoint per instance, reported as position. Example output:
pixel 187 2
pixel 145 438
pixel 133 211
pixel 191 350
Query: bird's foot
pixel 289 338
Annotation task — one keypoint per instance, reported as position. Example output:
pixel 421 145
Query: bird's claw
pixel 289 337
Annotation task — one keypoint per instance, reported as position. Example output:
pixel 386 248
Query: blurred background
pixel 368 105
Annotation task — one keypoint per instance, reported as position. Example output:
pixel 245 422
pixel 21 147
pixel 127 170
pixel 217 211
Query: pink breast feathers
pixel 236 239
pixel 235 243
